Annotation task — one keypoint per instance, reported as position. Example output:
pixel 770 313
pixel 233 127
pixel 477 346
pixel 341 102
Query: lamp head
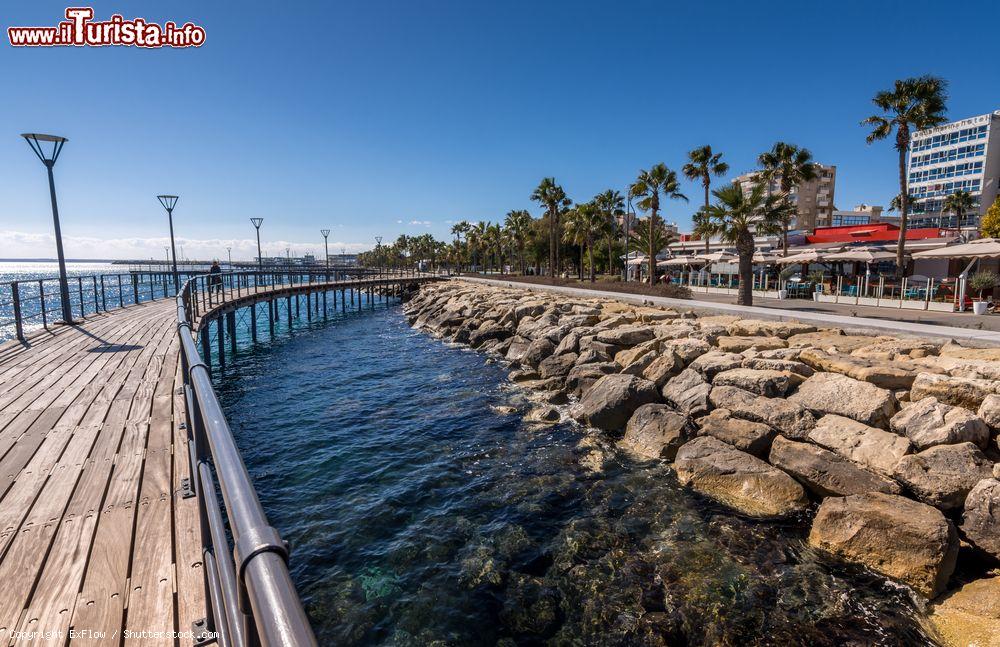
pixel 256 222
pixel 325 232
pixel 48 157
pixel 168 201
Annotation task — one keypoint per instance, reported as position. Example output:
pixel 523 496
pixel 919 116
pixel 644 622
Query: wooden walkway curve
pixel 95 535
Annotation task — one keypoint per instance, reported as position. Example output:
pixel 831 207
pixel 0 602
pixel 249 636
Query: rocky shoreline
pixel 888 444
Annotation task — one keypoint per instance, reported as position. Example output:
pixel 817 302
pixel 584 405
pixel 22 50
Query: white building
pixel 960 156
pixel 813 200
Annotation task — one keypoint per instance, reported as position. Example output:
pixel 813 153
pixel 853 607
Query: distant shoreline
pixel 68 260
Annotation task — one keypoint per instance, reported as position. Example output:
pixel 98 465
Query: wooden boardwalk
pixel 95 535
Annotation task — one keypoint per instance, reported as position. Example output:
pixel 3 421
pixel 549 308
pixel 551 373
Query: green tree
pixel 648 187
pixel 584 225
pixel 958 203
pixel 551 196
pixel 912 104
pixel 611 205
pixel 789 166
pixel 702 165
pixel 990 225
pixel 704 227
pixel 518 224
pixel 474 238
pixel 739 217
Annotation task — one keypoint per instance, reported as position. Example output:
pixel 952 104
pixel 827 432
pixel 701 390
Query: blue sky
pixel 398 117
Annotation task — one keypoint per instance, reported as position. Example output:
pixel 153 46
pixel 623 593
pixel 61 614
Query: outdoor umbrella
pixel 810 256
pixel 639 260
pixel 765 259
pixel 982 248
pixel 681 260
pixel 717 257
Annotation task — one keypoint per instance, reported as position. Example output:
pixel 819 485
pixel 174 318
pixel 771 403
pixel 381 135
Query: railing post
pixel 97 307
pixel 41 301
pixel 79 287
pixel 104 299
pixel 121 297
pixel 16 298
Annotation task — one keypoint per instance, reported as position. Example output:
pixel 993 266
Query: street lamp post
pixel 260 262
pixel 36 140
pixel 326 250
pixel 378 254
pixel 169 202
pixel 229 255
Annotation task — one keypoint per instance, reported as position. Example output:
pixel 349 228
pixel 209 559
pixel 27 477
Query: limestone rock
pixel 518 347
pixel 734 344
pixel 569 344
pixel 892 348
pixel 760 328
pixel 654 431
pixel 639 366
pixel 537 350
pixel 612 400
pixel 970 615
pixel 874 448
pixel 942 476
pixel 686 349
pixel 543 414
pixel 956 391
pixel 882 374
pixel 762 382
pixel 626 335
pixel 830 340
pixel 591 356
pixel 989 410
pixel 824 472
pixel 556 365
pixel 981 518
pixel 661 369
pixel 900 538
pixel 716 361
pixel 489 330
pixel 581 377
pixel 845 396
pixel 787 417
pixel 745 435
pixel 774 364
pixel 928 423
pixel 688 392
pixel 737 479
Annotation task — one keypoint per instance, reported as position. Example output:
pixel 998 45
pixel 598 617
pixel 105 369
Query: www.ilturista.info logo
pixel 80 30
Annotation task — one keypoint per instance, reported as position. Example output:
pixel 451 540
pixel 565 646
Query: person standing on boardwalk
pixel 215 278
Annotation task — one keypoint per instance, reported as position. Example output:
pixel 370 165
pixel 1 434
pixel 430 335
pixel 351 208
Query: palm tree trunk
pixel 707 183
pixel 744 248
pixel 904 199
pixel 581 260
pixel 590 247
pixel 652 255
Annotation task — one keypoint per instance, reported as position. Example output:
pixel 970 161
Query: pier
pixel 113 447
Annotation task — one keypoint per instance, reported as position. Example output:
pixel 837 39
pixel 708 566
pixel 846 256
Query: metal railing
pixel 252 597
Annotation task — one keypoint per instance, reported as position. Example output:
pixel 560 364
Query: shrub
pixel 982 281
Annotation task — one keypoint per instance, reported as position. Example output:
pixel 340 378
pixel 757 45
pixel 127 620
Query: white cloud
pixel 421 223
pixel 19 244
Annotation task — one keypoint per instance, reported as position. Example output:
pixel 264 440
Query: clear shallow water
pixel 420 515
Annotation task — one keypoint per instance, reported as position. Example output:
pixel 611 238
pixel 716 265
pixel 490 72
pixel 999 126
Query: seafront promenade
pixel 105 532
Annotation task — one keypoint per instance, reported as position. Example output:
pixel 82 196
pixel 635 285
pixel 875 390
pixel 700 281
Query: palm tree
pixel 915 103
pixel 704 226
pixel 790 166
pixel 610 205
pixel 702 165
pixel 518 224
pixel 492 244
pixel 584 225
pixel 738 216
pixel 648 186
pixel 650 233
pixel 958 203
pixel 474 238
pixel 551 196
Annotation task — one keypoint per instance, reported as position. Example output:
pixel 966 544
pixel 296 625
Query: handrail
pixel 253 598
pixel 255 584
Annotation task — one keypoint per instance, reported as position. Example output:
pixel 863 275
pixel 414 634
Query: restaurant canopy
pixel 680 260
pixel 982 248
pixel 764 259
pixel 717 257
pixel 639 260
pixel 862 255
pixel 810 256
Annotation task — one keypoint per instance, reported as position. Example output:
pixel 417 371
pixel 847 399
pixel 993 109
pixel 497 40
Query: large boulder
pixel 764 382
pixel 745 435
pixel 824 472
pixel 518 347
pixel 787 417
pixel 989 410
pixel 872 447
pixel 844 396
pixel 761 328
pixel 569 344
pixel 775 364
pixel 928 422
pixel 738 344
pixel 900 538
pixel 662 368
pixel 686 349
pixel 536 351
pixel 489 330
pixel 956 391
pixel 688 392
pixel 737 479
pixel 942 476
pixel 970 615
pixel 581 377
pixel 612 400
pixel 981 517
pixel 714 362
pixel 655 431
pixel 882 374
pixel 833 340
pixel 556 365
pixel 626 335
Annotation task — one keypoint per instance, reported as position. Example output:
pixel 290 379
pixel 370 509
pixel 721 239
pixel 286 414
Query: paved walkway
pixel 938 325
pixel 94 531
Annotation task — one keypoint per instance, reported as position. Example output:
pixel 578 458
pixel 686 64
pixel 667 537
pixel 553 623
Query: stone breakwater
pixel 889 444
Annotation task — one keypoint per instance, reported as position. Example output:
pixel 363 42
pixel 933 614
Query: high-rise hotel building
pixel 960 156
pixel 813 200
